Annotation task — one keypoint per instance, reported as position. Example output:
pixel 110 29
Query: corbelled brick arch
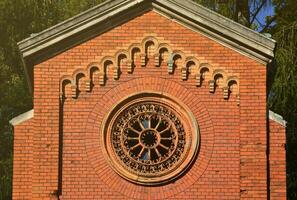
pixel 150 49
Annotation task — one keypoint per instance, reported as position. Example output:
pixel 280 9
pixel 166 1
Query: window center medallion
pixel 150 138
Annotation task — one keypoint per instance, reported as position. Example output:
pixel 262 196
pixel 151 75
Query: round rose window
pixel 150 138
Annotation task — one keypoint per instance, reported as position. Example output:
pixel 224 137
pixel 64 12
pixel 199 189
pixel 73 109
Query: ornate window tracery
pixel 150 140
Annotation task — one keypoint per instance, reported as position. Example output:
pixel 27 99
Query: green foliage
pixel 283 95
pixel 245 12
pixel 6 164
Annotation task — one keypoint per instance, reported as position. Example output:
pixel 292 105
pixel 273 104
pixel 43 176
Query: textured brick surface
pixel 23 160
pixel 277 158
pixel 231 163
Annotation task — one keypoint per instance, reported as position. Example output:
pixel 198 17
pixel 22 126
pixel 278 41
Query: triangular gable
pixel 112 13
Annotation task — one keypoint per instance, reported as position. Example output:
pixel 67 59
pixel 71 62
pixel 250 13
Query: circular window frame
pixel 191 129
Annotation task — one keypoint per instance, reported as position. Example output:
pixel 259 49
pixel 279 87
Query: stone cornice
pixel 22 118
pixel 277 118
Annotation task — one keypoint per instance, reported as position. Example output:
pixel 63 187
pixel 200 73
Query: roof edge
pixel 190 12
pixel 277 118
pixel 22 118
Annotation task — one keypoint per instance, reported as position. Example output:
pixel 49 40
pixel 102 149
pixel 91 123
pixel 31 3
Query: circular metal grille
pixel 149 140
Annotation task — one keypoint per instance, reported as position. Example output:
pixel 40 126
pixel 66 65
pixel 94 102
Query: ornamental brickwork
pixel 150 49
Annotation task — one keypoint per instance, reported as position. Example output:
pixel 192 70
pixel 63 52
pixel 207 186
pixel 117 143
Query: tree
pixel 283 95
pixel 245 12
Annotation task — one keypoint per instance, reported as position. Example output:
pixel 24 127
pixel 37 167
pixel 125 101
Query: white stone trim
pixel 277 118
pixel 22 118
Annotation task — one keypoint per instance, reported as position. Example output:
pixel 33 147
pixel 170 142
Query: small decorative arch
pixel 135 47
pixel 135 52
pixel 149 46
pixel 79 71
pixel 165 46
pixel 150 39
pixel 163 53
pixel 66 78
pixel 175 61
pixel 204 73
pixel 179 54
pixel 80 78
pixel 93 70
pixel 233 85
pixel 121 59
pixel 190 67
pixel 67 86
pixel 107 68
pixel 219 76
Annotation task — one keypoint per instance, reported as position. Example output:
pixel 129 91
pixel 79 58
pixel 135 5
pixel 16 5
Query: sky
pixel 266 11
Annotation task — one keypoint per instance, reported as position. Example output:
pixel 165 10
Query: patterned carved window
pixel 150 138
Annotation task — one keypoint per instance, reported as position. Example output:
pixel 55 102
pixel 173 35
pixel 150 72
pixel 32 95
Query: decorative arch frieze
pixel 150 48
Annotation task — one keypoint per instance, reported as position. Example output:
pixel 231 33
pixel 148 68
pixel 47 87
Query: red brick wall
pixel 277 160
pixel 23 160
pixel 231 163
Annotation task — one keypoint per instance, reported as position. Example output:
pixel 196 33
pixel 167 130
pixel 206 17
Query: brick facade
pixel 23 160
pixel 277 161
pixel 58 152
